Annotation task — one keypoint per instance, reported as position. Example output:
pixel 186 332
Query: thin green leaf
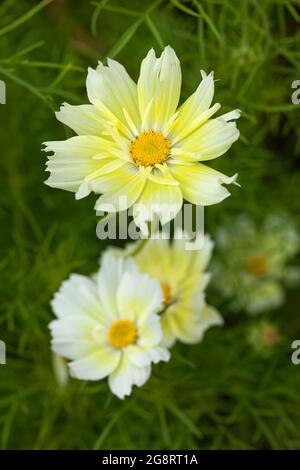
pixel 22 19
pixel 209 22
pixel 26 85
pixel 155 32
pixel 184 8
pixel 125 38
pixel 185 420
pixel 95 16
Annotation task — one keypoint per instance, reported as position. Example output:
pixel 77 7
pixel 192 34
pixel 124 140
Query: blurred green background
pixel 222 393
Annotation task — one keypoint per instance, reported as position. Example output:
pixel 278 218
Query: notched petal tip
pixel 170 51
pixel 62 108
pixel 232 115
pixel 49 146
pixel 204 75
pixel 83 191
pixel 230 180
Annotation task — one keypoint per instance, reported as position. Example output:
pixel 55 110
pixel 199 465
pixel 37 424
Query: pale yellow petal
pixel 111 89
pixel 154 250
pixel 200 184
pixel 121 188
pixel 73 160
pixel 157 200
pixel 159 88
pixel 210 141
pixel 84 119
pixel 195 110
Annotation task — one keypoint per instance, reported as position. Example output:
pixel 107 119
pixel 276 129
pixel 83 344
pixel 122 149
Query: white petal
pixel 78 296
pixel 73 349
pixel 159 354
pixel 96 366
pixel 137 356
pixel 265 296
pixel 143 357
pixel 159 88
pixel 77 336
pixel 127 375
pixel 232 115
pixel 73 327
pixel 137 296
pixel 150 332
pixel 109 279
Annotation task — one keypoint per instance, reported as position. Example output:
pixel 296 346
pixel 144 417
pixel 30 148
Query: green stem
pixel 138 247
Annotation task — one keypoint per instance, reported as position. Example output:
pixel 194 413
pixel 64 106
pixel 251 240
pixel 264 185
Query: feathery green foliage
pixel 220 394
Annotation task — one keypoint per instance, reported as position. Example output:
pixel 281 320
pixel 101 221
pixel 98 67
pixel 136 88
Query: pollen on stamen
pixel 149 148
pixel 122 333
pixel 166 290
pixel 257 265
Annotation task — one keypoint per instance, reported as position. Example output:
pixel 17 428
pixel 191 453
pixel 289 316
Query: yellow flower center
pixel 256 265
pixel 166 292
pixel 122 333
pixel 149 148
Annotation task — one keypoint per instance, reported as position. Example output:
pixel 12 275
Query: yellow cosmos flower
pixel 183 278
pixel 133 141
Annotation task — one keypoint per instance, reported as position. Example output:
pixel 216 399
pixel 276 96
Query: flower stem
pixel 138 247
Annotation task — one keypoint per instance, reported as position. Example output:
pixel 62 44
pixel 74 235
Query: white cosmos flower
pixel 183 278
pixel 107 325
pixel 133 141
pixel 253 262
